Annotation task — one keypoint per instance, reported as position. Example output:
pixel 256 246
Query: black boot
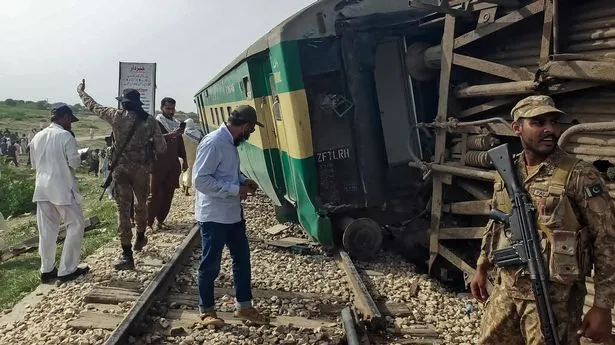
pixel 126 262
pixel 141 241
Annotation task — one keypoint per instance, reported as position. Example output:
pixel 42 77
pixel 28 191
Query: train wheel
pixel 362 237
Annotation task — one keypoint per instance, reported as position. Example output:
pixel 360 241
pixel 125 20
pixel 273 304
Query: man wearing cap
pixel 220 188
pixel 576 221
pixel 54 156
pixel 131 175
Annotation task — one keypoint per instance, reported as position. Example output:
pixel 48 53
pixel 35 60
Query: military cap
pixel 130 95
pixel 62 109
pixel 533 106
pixel 246 113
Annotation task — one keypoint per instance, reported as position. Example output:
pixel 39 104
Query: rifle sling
pixel 121 150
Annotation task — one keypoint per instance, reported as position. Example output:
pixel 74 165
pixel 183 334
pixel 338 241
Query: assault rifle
pixel 116 158
pixel 525 246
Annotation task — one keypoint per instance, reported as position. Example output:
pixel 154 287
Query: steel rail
pixel 363 300
pixel 158 285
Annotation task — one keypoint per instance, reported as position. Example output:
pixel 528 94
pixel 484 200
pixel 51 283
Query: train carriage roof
pixel 305 25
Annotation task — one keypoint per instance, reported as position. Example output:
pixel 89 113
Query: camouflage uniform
pixel 131 175
pixel 576 222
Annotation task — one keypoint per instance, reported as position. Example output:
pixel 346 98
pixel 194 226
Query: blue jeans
pixel 213 238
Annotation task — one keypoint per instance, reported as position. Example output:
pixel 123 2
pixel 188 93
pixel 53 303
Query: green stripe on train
pixel 257 164
pixel 286 66
pixel 229 88
pixel 303 173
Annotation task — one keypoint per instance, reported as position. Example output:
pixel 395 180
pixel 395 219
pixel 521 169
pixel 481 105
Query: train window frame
pixel 246 87
pixel 277 113
pixel 217 116
pixel 211 110
pixel 229 110
pixel 222 114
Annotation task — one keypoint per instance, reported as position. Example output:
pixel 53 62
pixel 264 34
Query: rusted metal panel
pixel 489 67
pixel 502 22
pixel 547 30
pixel 590 150
pixel 461 233
pixel 448 37
pixel 581 70
pixel 474 207
pixel 474 190
pixel 498 89
pixel 496 103
pixel 472 173
pixel 456 260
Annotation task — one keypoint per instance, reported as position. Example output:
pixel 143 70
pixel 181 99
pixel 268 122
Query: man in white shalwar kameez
pixel 54 156
pixel 192 138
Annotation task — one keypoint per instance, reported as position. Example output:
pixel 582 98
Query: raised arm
pixel 106 113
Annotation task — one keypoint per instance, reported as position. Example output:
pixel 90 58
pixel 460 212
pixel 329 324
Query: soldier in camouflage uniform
pixel 576 221
pixel 131 175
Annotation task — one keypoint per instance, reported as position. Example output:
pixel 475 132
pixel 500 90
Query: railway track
pixel 166 309
pixel 313 297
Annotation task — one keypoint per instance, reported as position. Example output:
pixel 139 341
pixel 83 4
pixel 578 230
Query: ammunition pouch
pixel 565 242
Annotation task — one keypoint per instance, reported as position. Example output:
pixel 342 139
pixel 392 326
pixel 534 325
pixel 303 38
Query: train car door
pixel 280 132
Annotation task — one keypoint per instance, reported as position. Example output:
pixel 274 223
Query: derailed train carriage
pixel 378 113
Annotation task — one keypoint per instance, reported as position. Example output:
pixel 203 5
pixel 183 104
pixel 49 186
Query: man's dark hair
pixel 167 100
pixel 236 122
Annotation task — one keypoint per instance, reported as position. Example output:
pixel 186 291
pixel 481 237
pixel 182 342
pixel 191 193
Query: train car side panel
pixel 256 154
pixel 296 146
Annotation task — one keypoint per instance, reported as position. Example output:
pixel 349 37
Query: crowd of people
pixel 14 146
pixel 148 158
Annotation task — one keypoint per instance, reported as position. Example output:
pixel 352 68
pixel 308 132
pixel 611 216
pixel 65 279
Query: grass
pixel 23 118
pixel 19 276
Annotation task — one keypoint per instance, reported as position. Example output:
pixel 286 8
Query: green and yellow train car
pixel 337 116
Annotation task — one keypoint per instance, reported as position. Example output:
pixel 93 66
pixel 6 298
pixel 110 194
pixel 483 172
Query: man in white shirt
pixel 54 156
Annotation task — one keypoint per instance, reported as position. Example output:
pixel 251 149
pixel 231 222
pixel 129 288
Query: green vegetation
pixel 22 116
pixel 16 190
pixel 19 276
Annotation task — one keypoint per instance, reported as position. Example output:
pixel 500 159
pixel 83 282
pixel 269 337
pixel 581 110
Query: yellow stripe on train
pixel 292 134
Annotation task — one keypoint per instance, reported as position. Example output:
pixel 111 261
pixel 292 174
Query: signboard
pixel 141 77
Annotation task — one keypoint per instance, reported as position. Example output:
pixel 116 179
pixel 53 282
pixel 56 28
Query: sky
pixel 48 46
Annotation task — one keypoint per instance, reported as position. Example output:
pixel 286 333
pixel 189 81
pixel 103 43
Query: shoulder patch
pixel 593 189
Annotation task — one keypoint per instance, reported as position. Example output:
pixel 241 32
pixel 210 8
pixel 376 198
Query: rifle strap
pixel 121 150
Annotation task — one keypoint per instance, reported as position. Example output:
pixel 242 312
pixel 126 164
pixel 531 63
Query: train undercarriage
pixel 464 67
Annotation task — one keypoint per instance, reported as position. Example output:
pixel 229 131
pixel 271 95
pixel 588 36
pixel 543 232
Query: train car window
pixel 229 111
pixel 211 110
pixel 247 87
pixel 222 114
pixel 277 114
pixel 217 116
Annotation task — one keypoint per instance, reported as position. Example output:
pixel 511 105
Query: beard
pixel 542 147
pixel 245 136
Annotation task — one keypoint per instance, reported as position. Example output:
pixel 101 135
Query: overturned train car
pixel 378 113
